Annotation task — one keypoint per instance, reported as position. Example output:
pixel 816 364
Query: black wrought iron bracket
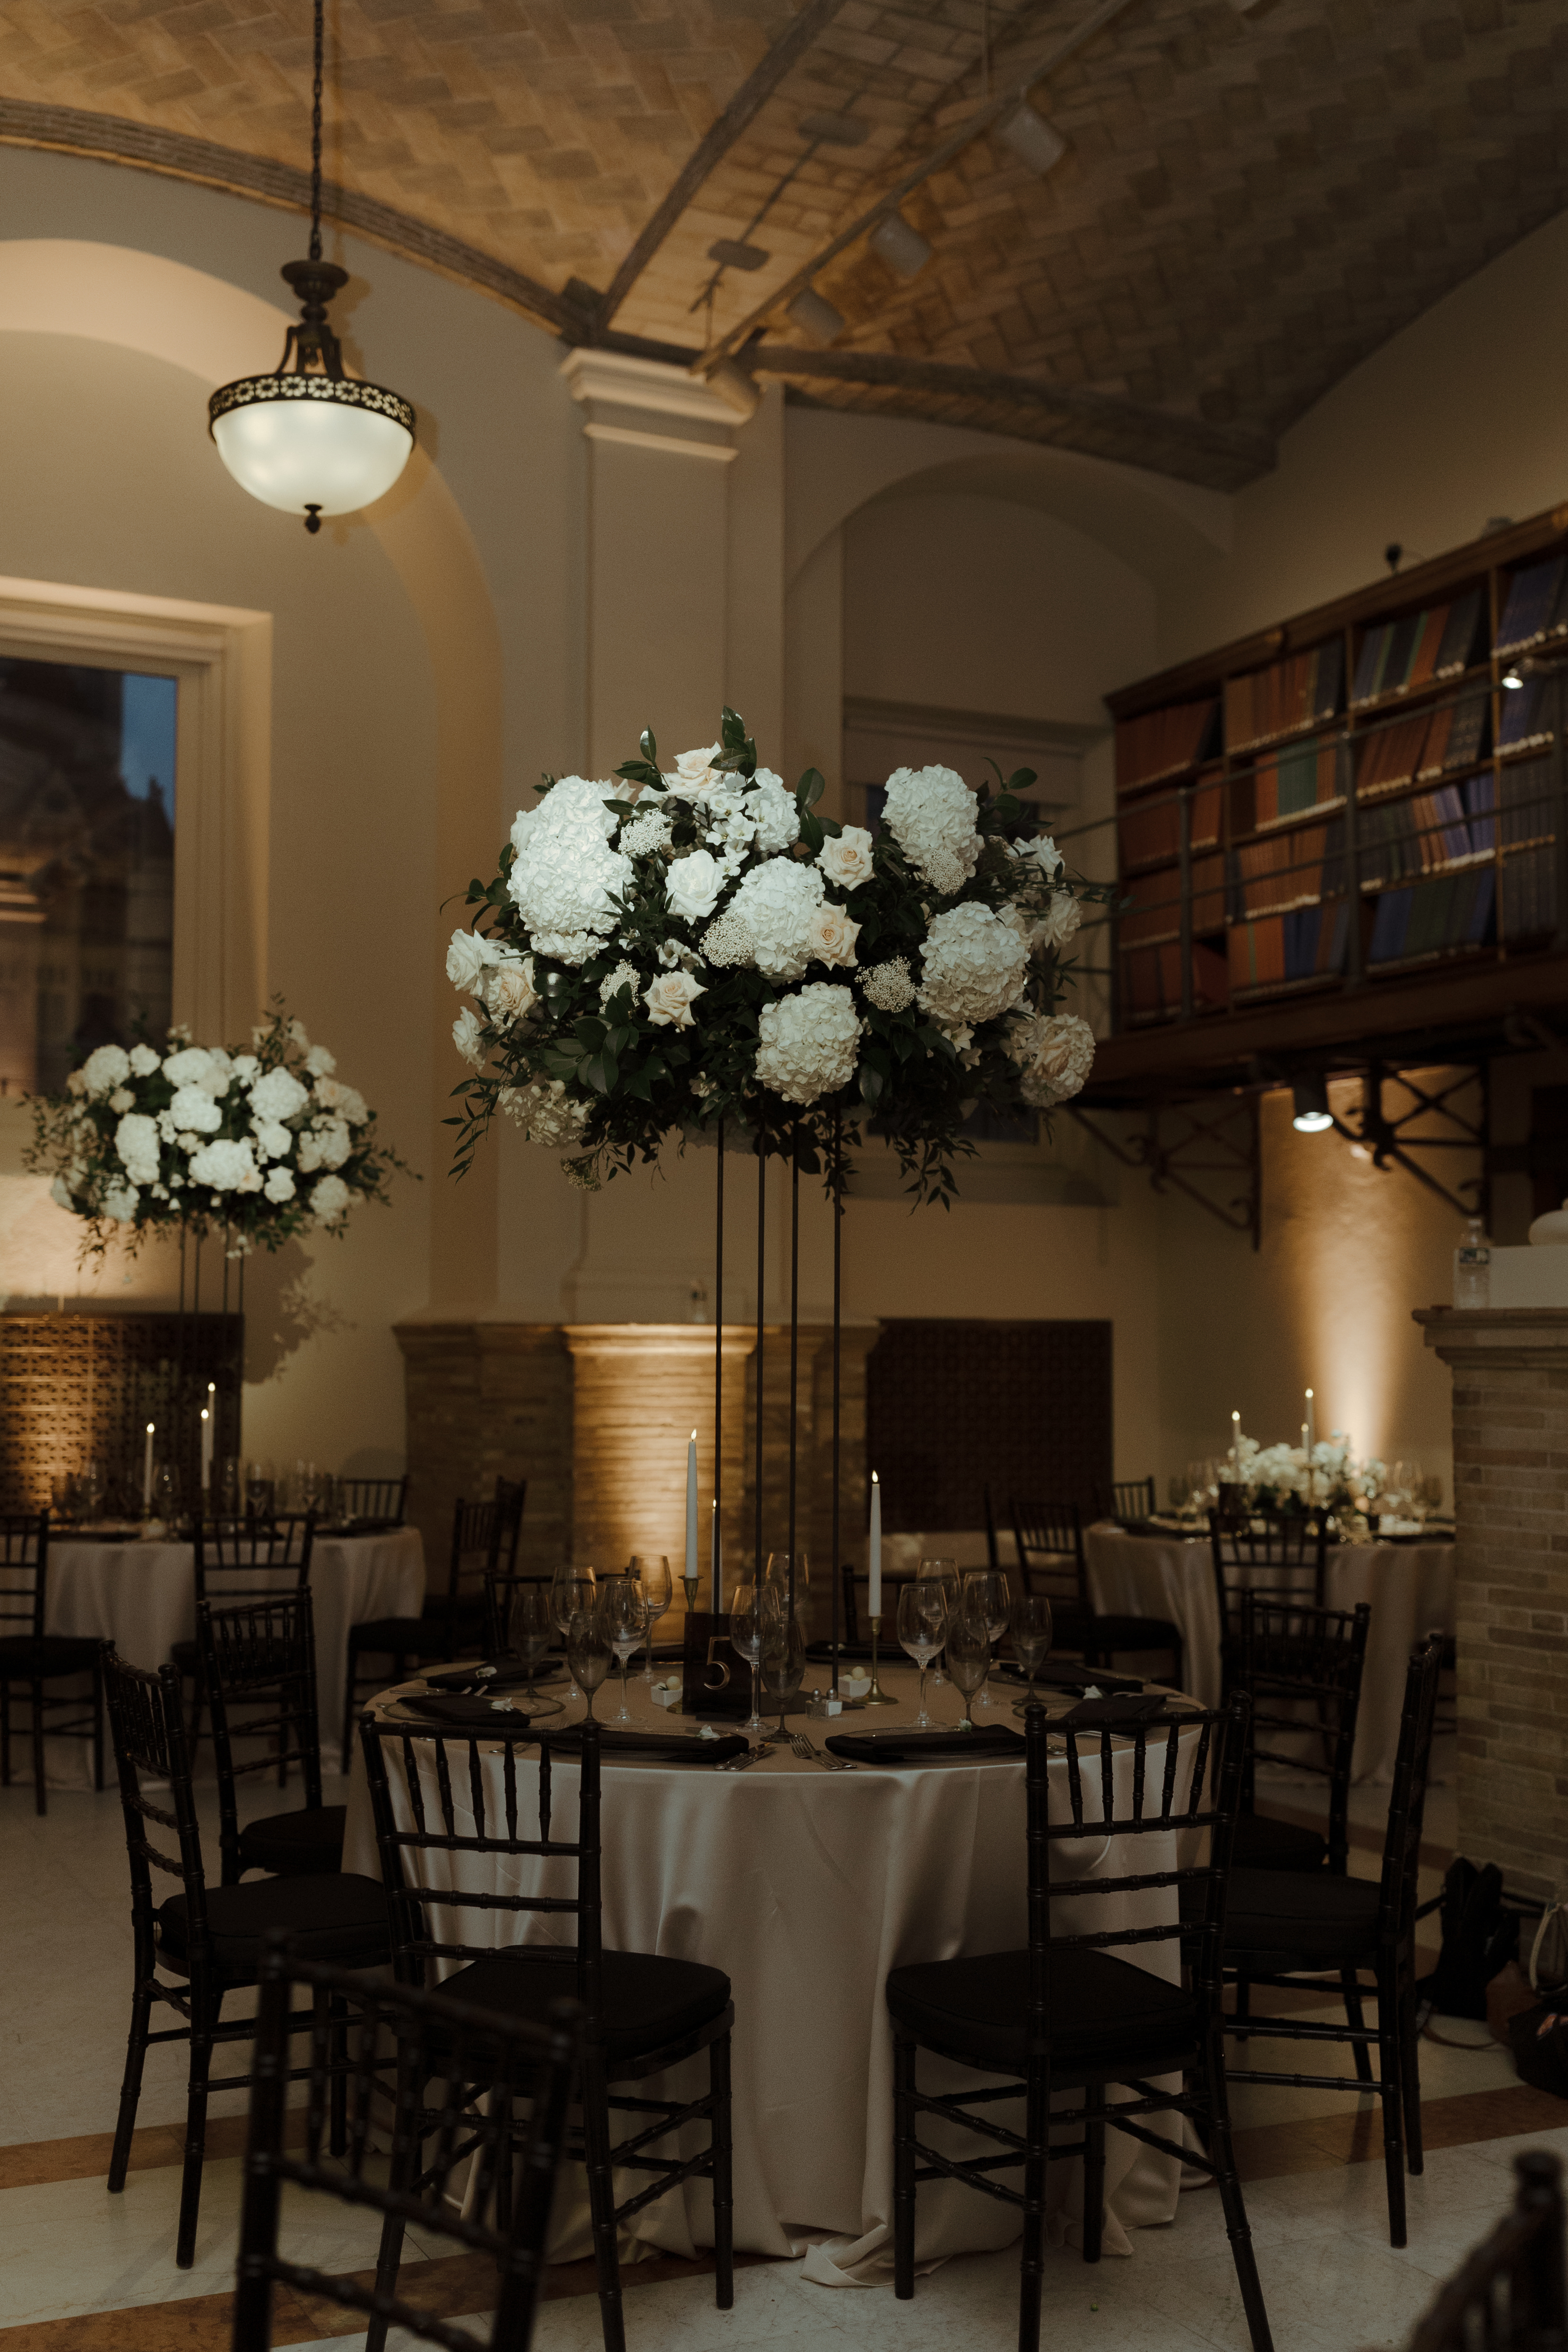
pixel 1390 1139
pixel 1208 1146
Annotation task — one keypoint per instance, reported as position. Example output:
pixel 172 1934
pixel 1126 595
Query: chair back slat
pixel 23 1573
pixel 372 1504
pixel 1303 1669
pixel 1509 2294
pixel 262 1652
pixel 1126 1498
pixel 1412 1764
pixel 1048 1538
pixel 254 1559
pixel 147 1732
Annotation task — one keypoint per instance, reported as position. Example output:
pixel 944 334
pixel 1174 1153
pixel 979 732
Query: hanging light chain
pixel 316 135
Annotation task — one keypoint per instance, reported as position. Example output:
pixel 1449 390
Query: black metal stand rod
pixel 838 1217
pixel 716 1564
pixel 758 1562
pixel 794 1329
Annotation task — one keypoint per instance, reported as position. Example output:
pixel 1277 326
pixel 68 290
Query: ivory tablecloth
pixel 142 1597
pixel 1410 1587
pixel 806 1887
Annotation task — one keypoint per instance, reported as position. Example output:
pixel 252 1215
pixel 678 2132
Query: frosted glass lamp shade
pixel 312 445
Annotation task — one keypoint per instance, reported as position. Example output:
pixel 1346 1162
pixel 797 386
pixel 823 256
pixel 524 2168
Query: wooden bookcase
pixel 1354 796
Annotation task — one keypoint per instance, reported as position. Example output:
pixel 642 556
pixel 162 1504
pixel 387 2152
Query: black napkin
pixel 925 1747
pixel 464 1714
pixel 505 1678
pixel 1072 1678
pixel 1114 1711
pixel 651 1747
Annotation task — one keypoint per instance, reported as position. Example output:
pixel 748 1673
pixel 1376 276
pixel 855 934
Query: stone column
pixel 487 1399
pixel 1510 1501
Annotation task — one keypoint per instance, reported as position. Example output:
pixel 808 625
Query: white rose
pixel 328 1199
pixel 693 884
pixel 847 860
pixel 143 1061
pixel 279 1185
pixel 670 998
pixel 1059 921
pixel 278 1095
pixel 346 1101
pixel 192 1107
pixel 319 1063
pixel 468 1037
pixel 104 1069
pixel 692 770
pixel 509 990
pixel 833 937
pixel 466 961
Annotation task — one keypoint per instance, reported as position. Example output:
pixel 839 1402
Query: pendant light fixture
pixel 308 438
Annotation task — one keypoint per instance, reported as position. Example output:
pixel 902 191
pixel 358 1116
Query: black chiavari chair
pixel 264 1655
pixel 643 2014
pixel 31 1659
pixel 204 1943
pixel 1509 2294
pixel 258 1557
pixel 1048 1538
pixel 1280 1554
pixel 1302 1668
pixel 368 1506
pixel 488 2190
pixel 1126 1498
pixel 1073 2013
pixel 451 1623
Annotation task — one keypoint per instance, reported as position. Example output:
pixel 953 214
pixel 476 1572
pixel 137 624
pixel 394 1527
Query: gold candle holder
pixel 876 1695
pixel 691 1585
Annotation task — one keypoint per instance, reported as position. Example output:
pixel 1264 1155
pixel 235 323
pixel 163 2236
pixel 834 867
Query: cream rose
pixel 693 883
pixel 847 859
pixel 510 992
pixel 670 998
pixel 832 936
pixel 692 769
pixel 468 1037
pixel 466 961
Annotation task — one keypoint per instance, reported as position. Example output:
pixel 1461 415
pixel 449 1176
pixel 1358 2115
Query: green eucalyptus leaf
pixel 649 748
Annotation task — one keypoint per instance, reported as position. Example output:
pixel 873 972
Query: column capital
pixel 1509 1338
pixel 648 405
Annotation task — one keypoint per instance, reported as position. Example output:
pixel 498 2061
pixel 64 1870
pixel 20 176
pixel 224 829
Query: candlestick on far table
pixel 873 1597
pixel 1236 1446
pixel 715 1553
pixel 147 1475
pixel 689 1575
pixel 1311 1436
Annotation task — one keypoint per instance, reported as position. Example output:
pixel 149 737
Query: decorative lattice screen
pixel 81 1387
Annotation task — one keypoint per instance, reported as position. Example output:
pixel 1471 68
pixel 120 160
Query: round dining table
pixel 143 1598
pixel 806 1887
pixel 1170 1574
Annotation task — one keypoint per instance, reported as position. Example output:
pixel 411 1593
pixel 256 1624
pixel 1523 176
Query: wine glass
pixel 985 1598
pixel 968 1660
pixel 530 1627
pixel 259 1489
pixel 776 1578
pixel 748 1623
pixel 225 1495
pixel 166 1494
pixel 571 1589
pixel 922 1630
pixel 624 1614
pixel 651 1571
pixel 588 1650
pixel 1031 1639
pixel 783 1660
pixel 945 1573
pixel 92 1489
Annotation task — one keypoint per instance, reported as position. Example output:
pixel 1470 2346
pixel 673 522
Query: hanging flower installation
pixel 260 1146
pixel 669 949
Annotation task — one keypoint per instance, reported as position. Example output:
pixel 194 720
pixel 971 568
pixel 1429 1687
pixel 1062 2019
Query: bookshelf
pixel 1355 803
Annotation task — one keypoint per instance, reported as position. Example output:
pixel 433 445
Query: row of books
pixel 1431 743
pixel 1300 691
pixel 1164 742
pixel 1537 607
pixel 1427 831
pixel 1155 912
pixel 1308 942
pixel 1153 832
pixel 1450 910
pixel 1527 805
pixel 1299 777
pixel 1397 656
pixel 1285 869
pixel 1526 714
pixel 1151 980
pixel 1530 894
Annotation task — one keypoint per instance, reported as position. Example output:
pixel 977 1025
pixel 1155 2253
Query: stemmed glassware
pixel 259 1484
pixel 922 1630
pixel 943 1572
pixel 747 1624
pixel 986 1600
pixel 570 1591
pixel 783 1657
pixel 968 1659
pixel 529 1629
pixel 651 1571
pixel 588 1649
pixel 93 1486
pixel 1031 1639
pixel 624 1615
pixel 776 1579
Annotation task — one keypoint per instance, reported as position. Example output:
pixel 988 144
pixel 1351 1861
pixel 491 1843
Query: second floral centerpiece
pixel 660 952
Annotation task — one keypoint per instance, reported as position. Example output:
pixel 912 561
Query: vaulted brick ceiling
pixel 1249 203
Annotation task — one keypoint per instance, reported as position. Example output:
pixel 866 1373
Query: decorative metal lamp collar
pixel 308 438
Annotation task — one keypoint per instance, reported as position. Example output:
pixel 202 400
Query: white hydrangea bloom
pixel 192 1107
pixel 119 1202
pixel 776 902
pixel 136 1141
pixel 105 1069
pixel 972 967
pixel 625 975
pixel 194 1065
pixel 888 986
pixel 545 1112
pixel 346 1101
pixel 566 873
pixel 272 1141
pixel 930 812
pixel 808 1042
pixel 121 1098
pixel 143 1061
pixel 226 1165
pixel 319 1063
pixel 328 1199
pixel 279 1184
pixel 772 810
pixel 246 1066
pixel 645 835
pixel 324 1144
pixel 278 1095
pixel 1054 1053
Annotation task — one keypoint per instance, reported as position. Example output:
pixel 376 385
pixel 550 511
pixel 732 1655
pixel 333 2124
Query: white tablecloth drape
pixel 142 1597
pixel 1409 1586
pixel 806 1887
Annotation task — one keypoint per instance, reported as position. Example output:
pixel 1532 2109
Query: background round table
pixel 1409 1586
pixel 806 1887
pixel 143 1598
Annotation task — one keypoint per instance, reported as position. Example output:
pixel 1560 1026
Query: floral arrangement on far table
pixel 1288 1477
pixel 263 1145
pixel 663 951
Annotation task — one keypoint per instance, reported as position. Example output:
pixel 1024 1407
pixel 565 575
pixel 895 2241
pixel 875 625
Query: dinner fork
pixel 802 1747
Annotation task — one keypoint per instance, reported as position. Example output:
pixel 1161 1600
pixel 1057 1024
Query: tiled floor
pixel 82 2271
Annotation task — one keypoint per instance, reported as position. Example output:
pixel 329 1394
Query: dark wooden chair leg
pixel 203 2017
pixel 1031 2269
pixel 601 2201
pixel 903 2165
pixel 1241 2007
pixel 1410 2076
pixel 130 2088
pixel 40 1776
pixel 98 1729
pixel 350 1685
pixel 1222 2155
pixel 1388 2071
pixel 1354 2017
pixel 723 2169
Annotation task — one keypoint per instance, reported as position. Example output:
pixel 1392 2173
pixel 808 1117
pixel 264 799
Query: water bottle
pixel 1472 1268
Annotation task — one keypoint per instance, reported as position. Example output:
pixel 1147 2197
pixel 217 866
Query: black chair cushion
pixel 1130 1633
pixel 186 1655
pixel 294 1845
pixel 55 1654
pixel 454 1609
pixel 397 1637
pixel 342 1919
pixel 1276 1920
pixel 1104 2012
pixel 1265 1844
pixel 648 2002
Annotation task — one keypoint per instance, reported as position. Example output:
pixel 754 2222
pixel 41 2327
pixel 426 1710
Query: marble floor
pixel 82 2271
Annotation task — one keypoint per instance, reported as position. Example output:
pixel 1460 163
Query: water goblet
pixel 166 1494
pixel 776 1578
pixel 748 1623
pixel 93 1486
pixel 571 1589
pixel 530 1628
pixel 968 1661
pixel 651 1571
pixel 986 1599
pixel 945 1573
pixel 922 1630
pixel 624 1613
pixel 587 1651
pixel 1031 1639
pixel 259 1487
pixel 783 1664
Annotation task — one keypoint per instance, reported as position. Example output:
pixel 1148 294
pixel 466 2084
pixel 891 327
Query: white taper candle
pixel 874 1604
pixel 692 1506
pixel 147 1475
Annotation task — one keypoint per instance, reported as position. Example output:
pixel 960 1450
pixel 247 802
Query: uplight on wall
pixel 308 438
pixel 1312 1115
